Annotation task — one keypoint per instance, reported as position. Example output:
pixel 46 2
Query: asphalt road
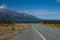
pixel 48 33
pixel 36 32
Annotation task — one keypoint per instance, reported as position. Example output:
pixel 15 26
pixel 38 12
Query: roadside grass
pixel 50 25
pixel 7 29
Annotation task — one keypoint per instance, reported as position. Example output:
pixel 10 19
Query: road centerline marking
pixel 39 33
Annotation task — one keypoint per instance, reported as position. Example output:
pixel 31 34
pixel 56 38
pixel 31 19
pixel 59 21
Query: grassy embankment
pixel 10 29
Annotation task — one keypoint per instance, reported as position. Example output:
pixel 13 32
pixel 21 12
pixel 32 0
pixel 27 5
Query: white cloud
pixel 2 6
pixel 58 0
pixel 44 13
pixel 41 12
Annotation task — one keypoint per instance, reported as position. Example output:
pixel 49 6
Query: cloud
pixel 44 13
pixel 41 12
pixel 2 6
pixel 58 0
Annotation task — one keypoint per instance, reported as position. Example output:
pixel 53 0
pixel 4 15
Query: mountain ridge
pixel 17 17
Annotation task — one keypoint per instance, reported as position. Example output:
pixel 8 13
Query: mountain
pixel 14 16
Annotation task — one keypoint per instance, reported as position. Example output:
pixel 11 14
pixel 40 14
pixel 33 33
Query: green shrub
pixel 13 28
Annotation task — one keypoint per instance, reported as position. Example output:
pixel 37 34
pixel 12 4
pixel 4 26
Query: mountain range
pixel 14 16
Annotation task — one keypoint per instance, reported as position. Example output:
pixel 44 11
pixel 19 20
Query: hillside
pixel 17 17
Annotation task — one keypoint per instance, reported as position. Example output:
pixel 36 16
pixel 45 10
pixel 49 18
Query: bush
pixel 13 28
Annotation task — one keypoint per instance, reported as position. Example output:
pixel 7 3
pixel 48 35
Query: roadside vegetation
pixel 7 28
pixel 51 23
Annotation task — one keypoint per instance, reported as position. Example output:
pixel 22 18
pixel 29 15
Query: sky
pixel 43 9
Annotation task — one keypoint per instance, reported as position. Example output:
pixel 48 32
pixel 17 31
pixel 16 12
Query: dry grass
pixel 6 29
pixel 50 25
pixel 21 26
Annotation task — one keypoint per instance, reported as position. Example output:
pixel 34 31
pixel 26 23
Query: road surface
pixel 36 32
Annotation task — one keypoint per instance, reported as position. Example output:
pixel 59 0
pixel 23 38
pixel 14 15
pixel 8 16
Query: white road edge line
pixel 39 33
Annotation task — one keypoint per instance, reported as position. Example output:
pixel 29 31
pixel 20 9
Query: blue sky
pixel 44 9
